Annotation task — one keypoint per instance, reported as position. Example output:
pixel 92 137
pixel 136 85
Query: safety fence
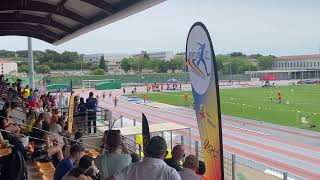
pixel 235 167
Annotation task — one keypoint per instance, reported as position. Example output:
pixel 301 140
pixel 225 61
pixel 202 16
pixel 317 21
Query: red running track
pixel 297 158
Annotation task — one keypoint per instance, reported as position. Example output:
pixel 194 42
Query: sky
pixel 278 27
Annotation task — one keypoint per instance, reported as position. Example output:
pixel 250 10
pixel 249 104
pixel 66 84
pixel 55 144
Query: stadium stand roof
pixel 57 21
pixel 299 57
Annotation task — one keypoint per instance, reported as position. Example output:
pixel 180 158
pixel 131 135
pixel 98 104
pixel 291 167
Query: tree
pixel 265 62
pixel 98 72
pixel 70 57
pixel 43 69
pixel 102 63
pixel 125 64
pixel 94 66
pixel 237 54
pixel 22 67
pixel 177 63
pixel 173 65
pixel 163 66
pixel 6 54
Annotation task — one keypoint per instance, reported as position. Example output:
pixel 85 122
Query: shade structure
pixel 57 21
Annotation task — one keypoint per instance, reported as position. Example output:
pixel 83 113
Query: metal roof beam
pixel 14 5
pixel 103 5
pixel 26 18
pixel 28 27
pixel 26 33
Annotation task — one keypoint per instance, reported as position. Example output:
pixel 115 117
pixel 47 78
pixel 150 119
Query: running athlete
pixel 104 95
pixel 115 101
pixel 110 94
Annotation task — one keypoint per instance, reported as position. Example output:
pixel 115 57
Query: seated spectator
pixel 135 158
pixel 77 138
pixel 67 164
pixel 54 116
pixel 177 156
pixel 116 158
pixel 43 140
pixel 202 170
pixel 47 114
pixel 190 167
pixel 152 167
pixel 6 121
pixel 56 130
pixel 83 171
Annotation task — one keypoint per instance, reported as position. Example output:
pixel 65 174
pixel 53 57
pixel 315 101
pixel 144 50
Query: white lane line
pixel 249 130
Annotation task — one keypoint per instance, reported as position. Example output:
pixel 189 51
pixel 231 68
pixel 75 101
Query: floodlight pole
pixel 30 64
pixel 230 72
pixel 82 72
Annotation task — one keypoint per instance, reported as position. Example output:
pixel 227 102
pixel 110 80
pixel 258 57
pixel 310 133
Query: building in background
pixel 7 66
pixel 92 58
pixel 292 67
pixel 301 62
pixel 162 55
pixel 112 60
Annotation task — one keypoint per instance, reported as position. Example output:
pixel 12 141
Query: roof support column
pixel 30 64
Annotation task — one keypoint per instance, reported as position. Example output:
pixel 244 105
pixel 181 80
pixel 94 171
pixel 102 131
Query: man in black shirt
pixel 177 156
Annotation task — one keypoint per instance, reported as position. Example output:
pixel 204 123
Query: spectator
pixel 152 167
pixel 43 139
pixel 61 100
pixel 54 116
pixel 135 158
pixel 67 164
pixel 190 167
pixel 177 156
pixel 116 158
pixel 47 114
pixel 84 169
pixel 76 124
pixel 56 128
pixel 6 121
pixel 202 170
pixel 30 120
pixel 82 109
pixel 26 92
pixel 92 108
pixel 77 138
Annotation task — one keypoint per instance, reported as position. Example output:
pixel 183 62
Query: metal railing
pixel 235 167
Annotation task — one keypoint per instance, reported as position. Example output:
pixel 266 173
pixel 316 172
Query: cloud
pixel 266 27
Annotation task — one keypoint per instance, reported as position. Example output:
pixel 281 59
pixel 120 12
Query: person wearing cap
pixel 67 164
pixel 178 154
pixel 190 167
pixel 152 167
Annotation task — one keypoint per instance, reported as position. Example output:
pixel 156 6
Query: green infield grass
pixel 260 103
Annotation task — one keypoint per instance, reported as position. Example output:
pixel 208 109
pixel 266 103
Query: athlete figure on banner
pixel 201 57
